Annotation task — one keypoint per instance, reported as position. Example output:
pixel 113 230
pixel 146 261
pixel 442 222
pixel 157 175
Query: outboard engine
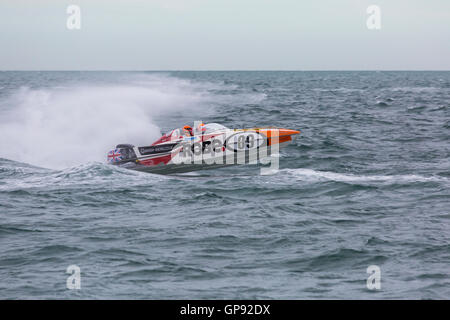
pixel 121 154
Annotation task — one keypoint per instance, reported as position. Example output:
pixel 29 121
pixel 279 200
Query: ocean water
pixel 366 183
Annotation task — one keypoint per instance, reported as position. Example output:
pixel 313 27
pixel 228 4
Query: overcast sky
pixel 225 35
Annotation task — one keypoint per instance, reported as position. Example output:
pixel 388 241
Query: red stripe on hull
pixel 156 161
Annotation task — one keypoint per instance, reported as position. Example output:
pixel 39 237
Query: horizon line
pixel 224 70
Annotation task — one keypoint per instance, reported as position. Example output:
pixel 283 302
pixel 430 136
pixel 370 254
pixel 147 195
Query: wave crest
pixel 315 175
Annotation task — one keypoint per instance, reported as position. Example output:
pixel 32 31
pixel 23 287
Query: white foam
pixel 315 175
pixel 87 174
pixel 417 89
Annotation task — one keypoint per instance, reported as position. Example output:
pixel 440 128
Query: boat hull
pixel 205 152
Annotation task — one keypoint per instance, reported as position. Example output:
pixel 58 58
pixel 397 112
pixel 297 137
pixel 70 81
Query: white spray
pixel 65 126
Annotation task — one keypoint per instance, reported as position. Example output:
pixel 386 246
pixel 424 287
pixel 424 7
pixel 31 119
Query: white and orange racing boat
pixel 207 146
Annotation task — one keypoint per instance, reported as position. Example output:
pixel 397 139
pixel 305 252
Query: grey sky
pixel 225 35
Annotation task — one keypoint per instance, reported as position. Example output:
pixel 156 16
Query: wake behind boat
pixel 207 146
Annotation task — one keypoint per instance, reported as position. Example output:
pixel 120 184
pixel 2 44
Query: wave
pixel 313 175
pixel 14 178
pixel 417 89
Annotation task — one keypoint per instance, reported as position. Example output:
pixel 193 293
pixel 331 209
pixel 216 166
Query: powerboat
pixel 202 147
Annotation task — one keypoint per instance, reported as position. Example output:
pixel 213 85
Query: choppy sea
pixel 367 183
